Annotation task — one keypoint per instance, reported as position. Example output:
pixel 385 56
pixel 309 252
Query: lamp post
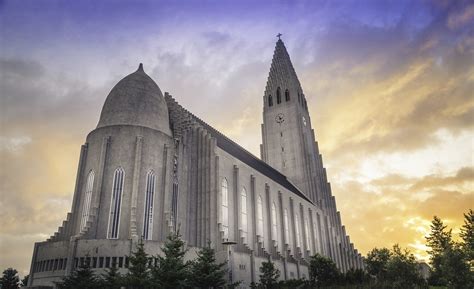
pixel 228 243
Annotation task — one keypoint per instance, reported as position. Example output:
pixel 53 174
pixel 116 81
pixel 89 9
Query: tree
pixel 322 271
pixel 439 239
pixel 24 281
pixel 82 278
pixel 450 260
pixel 10 279
pixel 467 235
pixel 376 261
pixel 112 279
pixel 455 270
pixel 138 276
pixel 171 271
pixel 269 275
pixel 402 271
pixel 356 276
pixel 205 272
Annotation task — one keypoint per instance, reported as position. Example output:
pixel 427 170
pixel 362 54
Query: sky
pixel 390 88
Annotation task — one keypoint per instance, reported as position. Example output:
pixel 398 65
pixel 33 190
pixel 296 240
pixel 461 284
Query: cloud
pixel 389 87
pixel 386 210
pixel 462 17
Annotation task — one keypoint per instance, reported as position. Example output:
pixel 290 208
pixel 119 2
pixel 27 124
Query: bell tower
pixel 288 142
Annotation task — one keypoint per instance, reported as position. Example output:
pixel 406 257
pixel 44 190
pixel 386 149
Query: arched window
pixel 270 100
pixel 115 204
pixel 148 213
pixel 87 200
pixel 274 225
pixel 259 216
pixel 287 228
pixel 287 95
pixel 225 208
pixel 297 229
pixel 306 229
pixel 278 95
pixel 243 212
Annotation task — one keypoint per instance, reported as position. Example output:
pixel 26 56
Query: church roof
pixel 136 100
pixel 248 158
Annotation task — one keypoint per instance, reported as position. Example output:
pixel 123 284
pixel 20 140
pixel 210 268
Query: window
pixel 297 230
pixel 287 95
pixel 270 100
pixel 243 212
pixel 87 200
pixel 287 229
pixel 274 224
pixel 259 216
pixel 148 213
pixel 306 229
pixel 299 97
pixel 225 208
pixel 115 204
pixel 278 95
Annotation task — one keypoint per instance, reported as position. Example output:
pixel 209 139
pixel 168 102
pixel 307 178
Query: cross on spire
pixel 279 35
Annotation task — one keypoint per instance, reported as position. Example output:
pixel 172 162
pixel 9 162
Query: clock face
pixel 304 121
pixel 280 118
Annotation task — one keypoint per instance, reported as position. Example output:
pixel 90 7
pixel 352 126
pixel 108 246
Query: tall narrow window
pixel 259 216
pixel 306 230
pixel 287 229
pixel 243 212
pixel 225 208
pixel 270 100
pixel 87 200
pixel 299 97
pixel 148 213
pixel 115 204
pixel 287 95
pixel 274 224
pixel 297 229
pixel 278 95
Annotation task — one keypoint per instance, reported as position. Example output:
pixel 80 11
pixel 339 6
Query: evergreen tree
pixel 455 269
pixel 172 272
pixel 205 272
pixel 82 278
pixel 376 261
pixel 112 279
pixel 322 271
pixel 24 281
pixel 467 235
pixel 269 275
pixel 439 239
pixel 10 279
pixel 138 276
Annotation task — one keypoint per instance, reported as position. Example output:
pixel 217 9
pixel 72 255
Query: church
pixel 152 167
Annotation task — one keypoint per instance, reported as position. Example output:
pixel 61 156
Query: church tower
pixel 288 140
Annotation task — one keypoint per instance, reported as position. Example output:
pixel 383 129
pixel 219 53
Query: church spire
pixel 282 74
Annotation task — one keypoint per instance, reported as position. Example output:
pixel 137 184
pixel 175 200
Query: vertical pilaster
pixel 133 232
pixel 100 184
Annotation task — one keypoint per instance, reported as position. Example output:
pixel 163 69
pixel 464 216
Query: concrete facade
pixel 279 207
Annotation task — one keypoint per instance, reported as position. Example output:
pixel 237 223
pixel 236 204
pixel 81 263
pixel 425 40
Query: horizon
pixel 389 87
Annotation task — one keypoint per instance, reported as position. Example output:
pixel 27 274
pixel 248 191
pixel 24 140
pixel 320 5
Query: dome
pixel 136 100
